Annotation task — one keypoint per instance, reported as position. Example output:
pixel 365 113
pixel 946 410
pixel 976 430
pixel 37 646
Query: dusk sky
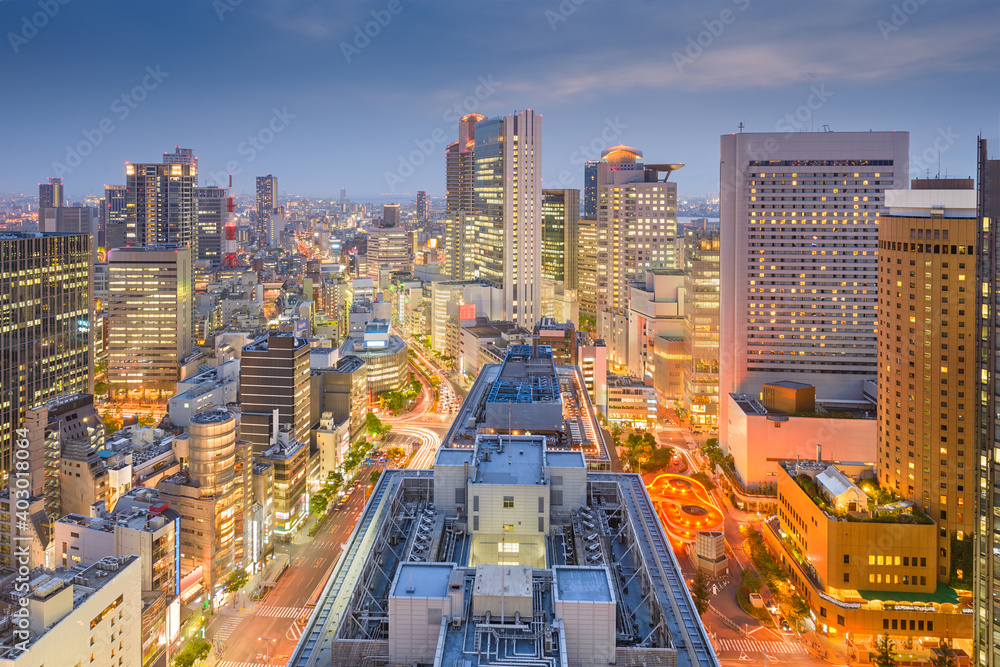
pixel 329 109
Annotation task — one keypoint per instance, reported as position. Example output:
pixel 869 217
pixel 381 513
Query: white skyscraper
pixel 799 232
pixel 506 246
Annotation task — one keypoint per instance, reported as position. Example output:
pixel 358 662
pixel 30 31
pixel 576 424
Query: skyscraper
pixel 390 247
pixel 636 232
pixel 213 211
pixel 46 311
pixel 159 201
pixel 700 395
pixel 149 317
pixel 987 424
pixel 267 199
pixel 71 220
pixel 460 197
pixel 799 216
pixel 274 377
pixel 506 241
pixel 586 267
pixel 926 360
pixel 390 216
pixel 560 221
pixel 590 188
pixel 50 194
pixel 115 217
pixel 421 206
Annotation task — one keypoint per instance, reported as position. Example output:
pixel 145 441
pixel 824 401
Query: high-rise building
pixel 212 497
pixel 390 248
pixel 390 216
pixel 799 212
pixel 421 206
pixel 71 220
pixel 926 355
pixel 115 217
pixel 506 240
pixel 460 198
pixel 46 311
pixel 700 395
pixel 560 221
pixel 213 211
pixel 267 199
pixel 274 389
pixel 987 424
pixel 149 317
pixel 636 232
pixel 586 268
pixel 590 188
pixel 50 194
pixel 160 203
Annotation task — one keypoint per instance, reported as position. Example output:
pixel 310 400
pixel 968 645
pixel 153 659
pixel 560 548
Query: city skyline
pixel 600 74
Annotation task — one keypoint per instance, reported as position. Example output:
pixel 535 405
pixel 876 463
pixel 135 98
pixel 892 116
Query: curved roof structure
pixel 621 154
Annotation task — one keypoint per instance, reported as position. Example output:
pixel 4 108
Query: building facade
pixel 460 198
pixel 160 201
pixel 700 394
pixel 50 194
pixel 149 317
pixel 799 212
pixel 212 212
pixel 46 311
pixel 267 199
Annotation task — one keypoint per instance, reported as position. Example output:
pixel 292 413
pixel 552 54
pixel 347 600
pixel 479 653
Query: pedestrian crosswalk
pixel 227 628
pixel 756 646
pixel 281 612
pixel 233 663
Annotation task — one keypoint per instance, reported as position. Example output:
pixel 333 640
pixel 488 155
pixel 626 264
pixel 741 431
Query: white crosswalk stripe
pixel 227 628
pixel 756 646
pixel 281 612
pixel 232 663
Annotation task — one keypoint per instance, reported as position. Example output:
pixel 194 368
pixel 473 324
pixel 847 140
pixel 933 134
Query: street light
pixel 267 646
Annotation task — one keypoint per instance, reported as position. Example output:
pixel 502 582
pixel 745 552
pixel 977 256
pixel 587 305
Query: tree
pixel 944 658
pixel 373 477
pixel 197 650
pixel 883 652
pixel 237 580
pixel 751 581
pixel 797 608
pixel 395 453
pixel 376 428
pixel 147 419
pixel 699 591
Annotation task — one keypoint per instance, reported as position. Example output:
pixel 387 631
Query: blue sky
pixel 327 108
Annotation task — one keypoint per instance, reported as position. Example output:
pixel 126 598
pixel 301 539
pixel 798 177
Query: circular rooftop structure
pixel 212 417
pixel 621 154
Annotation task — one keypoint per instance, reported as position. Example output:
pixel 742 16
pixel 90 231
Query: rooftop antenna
pixel 740 126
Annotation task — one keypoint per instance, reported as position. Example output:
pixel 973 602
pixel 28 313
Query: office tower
pixel 459 199
pixel 50 194
pixel 390 248
pixel 986 587
pixel 390 216
pixel 46 310
pixel 274 378
pixel 213 211
pixel 799 212
pixel 289 459
pixel 160 204
pixel 267 199
pixel 115 217
pixel 149 317
pixel 590 188
pixel 72 220
pixel 421 206
pixel 926 359
pixel 586 270
pixel 560 222
pixel 212 497
pixel 637 231
pixel 700 396
pixel 506 231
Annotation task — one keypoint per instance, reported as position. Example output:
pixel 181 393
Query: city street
pixel 272 626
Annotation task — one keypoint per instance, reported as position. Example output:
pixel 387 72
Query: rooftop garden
pixel 876 496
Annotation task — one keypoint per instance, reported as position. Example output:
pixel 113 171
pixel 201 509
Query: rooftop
pixel 509 459
pixel 422 580
pixel 582 584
